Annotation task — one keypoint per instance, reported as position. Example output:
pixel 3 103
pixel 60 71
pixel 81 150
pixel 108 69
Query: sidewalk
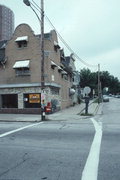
pixel 74 112
pixel 66 114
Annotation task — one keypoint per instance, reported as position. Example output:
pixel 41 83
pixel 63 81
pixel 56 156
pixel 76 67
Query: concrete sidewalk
pixel 75 112
pixel 66 114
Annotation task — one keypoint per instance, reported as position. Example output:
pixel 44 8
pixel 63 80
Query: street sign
pixel 87 90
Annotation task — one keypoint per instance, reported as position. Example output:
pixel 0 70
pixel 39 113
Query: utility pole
pixel 41 21
pixel 42 45
pixel 42 63
pixel 98 83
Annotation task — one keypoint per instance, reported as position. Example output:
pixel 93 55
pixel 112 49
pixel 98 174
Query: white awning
pixel 53 64
pixel 56 44
pixel 22 38
pixel 21 64
pixel 59 68
pixel 64 72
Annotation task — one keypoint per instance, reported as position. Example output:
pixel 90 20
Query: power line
pixel 61 38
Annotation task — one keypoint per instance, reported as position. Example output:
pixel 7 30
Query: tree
pixel 88 78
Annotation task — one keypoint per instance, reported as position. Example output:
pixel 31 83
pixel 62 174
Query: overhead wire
pixel 61 38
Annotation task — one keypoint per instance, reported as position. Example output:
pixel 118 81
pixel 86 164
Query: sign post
pixel 87 90
pixel 43 105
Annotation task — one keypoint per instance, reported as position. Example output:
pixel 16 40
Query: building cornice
pixel 2 86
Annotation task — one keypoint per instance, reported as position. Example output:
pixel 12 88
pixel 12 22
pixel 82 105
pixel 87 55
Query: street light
pixel 27 3
pixel 99 85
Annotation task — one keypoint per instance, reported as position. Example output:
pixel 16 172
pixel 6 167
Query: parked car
pixel 117 96
pixel 105 98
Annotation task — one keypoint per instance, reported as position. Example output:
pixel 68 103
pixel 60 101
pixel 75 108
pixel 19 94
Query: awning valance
pixel 22 38
pixel 21 64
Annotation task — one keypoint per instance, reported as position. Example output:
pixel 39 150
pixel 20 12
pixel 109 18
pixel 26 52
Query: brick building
pixel 20 73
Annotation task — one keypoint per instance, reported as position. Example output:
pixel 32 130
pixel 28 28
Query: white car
pixel 105 98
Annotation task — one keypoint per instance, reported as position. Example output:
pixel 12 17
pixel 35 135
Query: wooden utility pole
pixel 42 63
pixel 42 46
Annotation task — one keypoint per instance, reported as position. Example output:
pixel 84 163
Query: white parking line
pixel 91 167
pixel 19 129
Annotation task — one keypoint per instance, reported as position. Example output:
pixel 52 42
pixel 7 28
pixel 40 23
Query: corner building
pixel 20 73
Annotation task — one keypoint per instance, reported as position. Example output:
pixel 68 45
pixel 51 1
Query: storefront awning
pixel 21 64
pixel 22 38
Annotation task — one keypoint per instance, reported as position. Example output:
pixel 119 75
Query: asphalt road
pixel 109 165
pixel 48 150
pixel 62 150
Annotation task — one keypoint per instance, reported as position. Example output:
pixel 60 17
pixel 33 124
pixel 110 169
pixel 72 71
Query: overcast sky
pixel 90 27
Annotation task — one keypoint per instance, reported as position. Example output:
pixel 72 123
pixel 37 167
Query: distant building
pixel 6 23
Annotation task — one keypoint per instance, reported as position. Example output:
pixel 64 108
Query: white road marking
pixel 19 129
pixel 91 167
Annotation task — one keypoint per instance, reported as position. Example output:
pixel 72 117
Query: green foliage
pixel 88 78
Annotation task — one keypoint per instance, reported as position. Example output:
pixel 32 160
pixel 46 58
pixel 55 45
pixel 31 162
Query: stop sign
pixel 87 90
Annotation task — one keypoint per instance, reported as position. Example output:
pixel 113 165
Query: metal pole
pixel 42 59
pixel 98 83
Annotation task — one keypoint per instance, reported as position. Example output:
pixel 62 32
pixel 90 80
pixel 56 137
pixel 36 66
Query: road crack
pixel 24 159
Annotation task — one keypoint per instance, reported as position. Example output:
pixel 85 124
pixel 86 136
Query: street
pixel 86 149
pixel 109 167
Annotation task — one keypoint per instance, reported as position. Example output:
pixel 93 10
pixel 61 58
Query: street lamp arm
pixel 35 13
pixel 27 3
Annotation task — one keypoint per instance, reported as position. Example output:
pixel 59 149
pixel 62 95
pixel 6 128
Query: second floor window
pixel 22 68
pixel 22 44
pixel 22 41
pixel 22 72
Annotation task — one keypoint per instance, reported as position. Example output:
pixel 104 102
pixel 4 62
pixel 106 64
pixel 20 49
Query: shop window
pixel 32 100
pixel 9 101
